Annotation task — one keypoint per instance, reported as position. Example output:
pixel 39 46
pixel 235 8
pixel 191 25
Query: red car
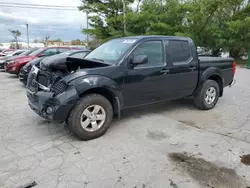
pixel 13 67
pixel 6 52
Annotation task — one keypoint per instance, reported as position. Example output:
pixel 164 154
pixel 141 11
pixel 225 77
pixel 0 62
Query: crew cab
pixel 14 66
pixel 124 73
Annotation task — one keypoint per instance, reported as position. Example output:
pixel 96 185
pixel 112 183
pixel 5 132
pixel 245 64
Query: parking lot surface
pixel 170 145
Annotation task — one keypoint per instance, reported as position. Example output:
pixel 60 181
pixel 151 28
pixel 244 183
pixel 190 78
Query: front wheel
pixel 208 95
pixel 91 117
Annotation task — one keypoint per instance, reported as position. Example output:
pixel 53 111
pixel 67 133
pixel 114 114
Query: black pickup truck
pixel 124 73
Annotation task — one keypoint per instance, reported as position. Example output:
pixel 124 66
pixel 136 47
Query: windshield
pixel 27 52
pixel 36 52
pixel 111 51
pixel 67 53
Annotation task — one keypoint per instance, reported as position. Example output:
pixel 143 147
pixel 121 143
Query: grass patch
pixel 241 62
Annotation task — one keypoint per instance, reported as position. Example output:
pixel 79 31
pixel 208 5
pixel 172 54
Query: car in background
pixel 15 53
pixel 4 60
pixel 6 52
pixel 14 66
pixel 24 72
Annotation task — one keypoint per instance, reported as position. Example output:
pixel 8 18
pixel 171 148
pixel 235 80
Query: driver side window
pixel 153 50
pixel 49 52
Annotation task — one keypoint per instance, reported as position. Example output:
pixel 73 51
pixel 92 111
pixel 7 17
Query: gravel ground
pixel 167 145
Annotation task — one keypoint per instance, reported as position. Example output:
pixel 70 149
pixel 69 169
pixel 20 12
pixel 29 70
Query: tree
pixel 57 40
pixel 213 24
pixel 106 18
pixel 35 40
pixel 76 42
pixel 15 34
pixel 45 40
pixel 157 18
pixel 93 43
pixel 237 36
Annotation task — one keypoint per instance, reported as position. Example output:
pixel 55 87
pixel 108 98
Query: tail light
pixel 234 67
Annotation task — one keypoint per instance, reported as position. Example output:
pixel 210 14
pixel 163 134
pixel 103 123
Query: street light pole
pixel 124 17
pixel 87 13
pixel 27 26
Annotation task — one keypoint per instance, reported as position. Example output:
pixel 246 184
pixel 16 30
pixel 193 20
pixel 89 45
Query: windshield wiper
pixel 98 59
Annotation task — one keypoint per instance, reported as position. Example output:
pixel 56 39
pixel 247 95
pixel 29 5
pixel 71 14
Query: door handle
pixel 165 71
pixel 192 68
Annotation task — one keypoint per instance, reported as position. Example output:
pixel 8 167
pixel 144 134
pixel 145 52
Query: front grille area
pixel 31 83
pixel 59 87
pixel 42 79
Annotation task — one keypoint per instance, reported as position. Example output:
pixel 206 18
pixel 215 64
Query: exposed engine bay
pixel 52 70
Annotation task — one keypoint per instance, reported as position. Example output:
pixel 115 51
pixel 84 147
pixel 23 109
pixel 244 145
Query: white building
pixel 7 45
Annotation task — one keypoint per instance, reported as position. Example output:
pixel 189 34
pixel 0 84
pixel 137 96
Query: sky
pixel 63 24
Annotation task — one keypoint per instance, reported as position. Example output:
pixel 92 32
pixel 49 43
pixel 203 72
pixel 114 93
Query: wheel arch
pixel 214 74
pixel 108 94
pixel 219 80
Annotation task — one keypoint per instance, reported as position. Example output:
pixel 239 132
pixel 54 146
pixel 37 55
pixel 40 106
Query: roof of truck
pixel 157 36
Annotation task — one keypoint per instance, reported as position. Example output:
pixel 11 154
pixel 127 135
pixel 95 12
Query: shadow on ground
pixel 158 108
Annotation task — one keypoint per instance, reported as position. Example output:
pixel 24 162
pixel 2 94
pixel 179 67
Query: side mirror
pixel 139 59
pixel 40 55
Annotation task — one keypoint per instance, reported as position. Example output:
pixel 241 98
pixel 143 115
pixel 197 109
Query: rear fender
pixel 212 73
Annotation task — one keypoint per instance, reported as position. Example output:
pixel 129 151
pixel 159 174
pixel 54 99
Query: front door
pixel 146 83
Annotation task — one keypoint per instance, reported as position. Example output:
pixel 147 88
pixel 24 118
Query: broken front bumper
pixel 50 107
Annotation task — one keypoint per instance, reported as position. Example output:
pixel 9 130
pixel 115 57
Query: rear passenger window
pixel 179 51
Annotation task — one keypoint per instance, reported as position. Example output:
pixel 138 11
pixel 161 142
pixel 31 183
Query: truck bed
pixel 224 65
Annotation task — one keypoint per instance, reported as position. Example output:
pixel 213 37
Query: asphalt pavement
pixel 169 145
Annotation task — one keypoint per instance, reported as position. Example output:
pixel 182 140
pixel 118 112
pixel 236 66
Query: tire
pixel 77 117
pixel 19 71
pixel 201 100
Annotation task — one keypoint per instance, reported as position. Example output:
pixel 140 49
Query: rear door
pixel 183 67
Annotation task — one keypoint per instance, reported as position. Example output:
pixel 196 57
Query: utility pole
pixel 124 17
pixel 27 26
pixel 87 13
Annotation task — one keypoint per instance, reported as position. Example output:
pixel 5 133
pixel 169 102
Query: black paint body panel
pixel 139 86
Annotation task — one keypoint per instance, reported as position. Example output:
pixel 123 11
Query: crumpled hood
pixel 68 64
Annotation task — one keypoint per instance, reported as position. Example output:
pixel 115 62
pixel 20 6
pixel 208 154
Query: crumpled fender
pixel 83 84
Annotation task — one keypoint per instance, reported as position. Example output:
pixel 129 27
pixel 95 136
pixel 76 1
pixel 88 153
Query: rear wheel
pixel 208 95
pixel 91 117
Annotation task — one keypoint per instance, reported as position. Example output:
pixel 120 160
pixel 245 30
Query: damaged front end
pixel 49 93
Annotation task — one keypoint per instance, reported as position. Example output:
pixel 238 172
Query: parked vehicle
pixel 124 73
pixel 14 66
pixel 6 52
pixel 15 53
pixel 5 60
pixel 23 74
